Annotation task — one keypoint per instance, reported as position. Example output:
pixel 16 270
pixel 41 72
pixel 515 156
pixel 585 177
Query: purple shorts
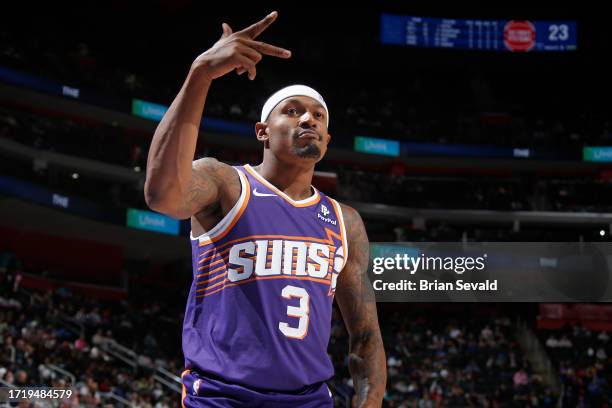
pixel 200 392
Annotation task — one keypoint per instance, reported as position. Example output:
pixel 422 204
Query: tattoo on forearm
pixel 357 302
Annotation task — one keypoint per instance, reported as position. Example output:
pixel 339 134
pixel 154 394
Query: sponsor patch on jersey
pixel 323 215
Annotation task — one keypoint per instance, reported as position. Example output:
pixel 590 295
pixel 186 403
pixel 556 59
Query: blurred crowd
pixel 583 359
pixel 439 362
pixel 47 337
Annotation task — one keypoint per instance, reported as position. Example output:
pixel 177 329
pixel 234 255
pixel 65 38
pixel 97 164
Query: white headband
pixel 293 90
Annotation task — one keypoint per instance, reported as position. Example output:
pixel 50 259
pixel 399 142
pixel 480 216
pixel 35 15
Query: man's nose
pixel 307 119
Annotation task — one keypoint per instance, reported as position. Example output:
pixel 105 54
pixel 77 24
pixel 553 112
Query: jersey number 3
pixel 300 312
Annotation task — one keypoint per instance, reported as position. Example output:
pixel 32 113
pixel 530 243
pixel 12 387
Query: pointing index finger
pixel 257 28
pixel 266 49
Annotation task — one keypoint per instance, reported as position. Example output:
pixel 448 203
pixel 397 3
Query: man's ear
pixel 261 131
pixel 329 137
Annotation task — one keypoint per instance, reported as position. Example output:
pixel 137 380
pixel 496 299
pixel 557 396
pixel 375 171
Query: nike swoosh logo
pixel 262 194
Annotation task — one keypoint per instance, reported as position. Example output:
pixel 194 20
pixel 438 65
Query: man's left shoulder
pixel 354 225
pixel 351 216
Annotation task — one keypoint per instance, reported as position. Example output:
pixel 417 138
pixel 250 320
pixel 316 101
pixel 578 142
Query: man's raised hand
pixel 239 50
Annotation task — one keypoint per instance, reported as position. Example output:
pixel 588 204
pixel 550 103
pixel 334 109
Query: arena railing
pixel 530 343
pixel 168 379
pixel 130 357
pixel 116 398
pixel 120 352
pixel 6 384
pixel 64 373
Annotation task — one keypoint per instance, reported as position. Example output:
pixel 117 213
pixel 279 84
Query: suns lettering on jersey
pixel 279 256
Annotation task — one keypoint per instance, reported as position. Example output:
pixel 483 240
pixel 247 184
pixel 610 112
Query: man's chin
pixel 310 151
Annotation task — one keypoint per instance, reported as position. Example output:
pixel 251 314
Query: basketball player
pixel 270 252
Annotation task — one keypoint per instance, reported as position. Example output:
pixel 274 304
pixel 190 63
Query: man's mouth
pixel 309 134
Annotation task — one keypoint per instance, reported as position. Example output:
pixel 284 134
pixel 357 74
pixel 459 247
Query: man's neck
pixel 292 179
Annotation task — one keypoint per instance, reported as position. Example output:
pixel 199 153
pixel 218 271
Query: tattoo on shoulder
pixel 359 254
pixel 207 177
pixel 355 230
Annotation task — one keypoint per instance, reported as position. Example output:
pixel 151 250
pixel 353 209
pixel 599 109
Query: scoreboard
pixel 476 34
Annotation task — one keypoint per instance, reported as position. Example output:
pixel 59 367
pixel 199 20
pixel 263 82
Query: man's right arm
pixel 171 182
pixel 176 185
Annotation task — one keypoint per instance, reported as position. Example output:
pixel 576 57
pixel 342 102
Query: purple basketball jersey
pixel 260 305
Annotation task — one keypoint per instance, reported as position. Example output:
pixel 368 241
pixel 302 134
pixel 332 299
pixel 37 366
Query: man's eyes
pixel 295 111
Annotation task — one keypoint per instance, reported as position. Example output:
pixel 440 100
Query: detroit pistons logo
pixel 519 35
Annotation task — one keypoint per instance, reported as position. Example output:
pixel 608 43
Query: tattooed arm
pixel 176 185
pixel 355 298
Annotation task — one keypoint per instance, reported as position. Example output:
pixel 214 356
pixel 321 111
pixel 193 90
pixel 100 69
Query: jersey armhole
pixel 342 229
pixel 223 226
